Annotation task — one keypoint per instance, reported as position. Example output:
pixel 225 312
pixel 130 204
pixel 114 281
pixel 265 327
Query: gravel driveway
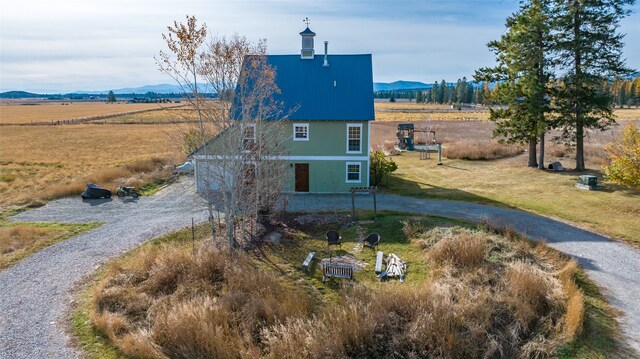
pixel 35 293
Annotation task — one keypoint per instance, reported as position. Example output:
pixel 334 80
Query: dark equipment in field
pixel 95 191
pixel 127 191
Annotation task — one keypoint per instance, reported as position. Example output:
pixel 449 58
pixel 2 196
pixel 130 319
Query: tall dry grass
pixel 487 296
pixel 54 160
pixel 179 304
pixel 473 140
pixel 133 174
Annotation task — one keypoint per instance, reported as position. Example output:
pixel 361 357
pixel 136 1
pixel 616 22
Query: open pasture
pixel 164 115
pixel 38 162
pixel 27 112
pixel 413 112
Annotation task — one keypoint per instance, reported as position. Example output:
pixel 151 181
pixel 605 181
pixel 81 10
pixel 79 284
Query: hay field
pixel 34 160
pixel 32 111
pixel 180 114
pixel 413 112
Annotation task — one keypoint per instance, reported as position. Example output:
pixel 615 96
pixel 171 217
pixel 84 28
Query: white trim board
pixel 295 158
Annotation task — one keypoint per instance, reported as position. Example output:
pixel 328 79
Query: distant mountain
pixel 400 85
pixel 161 89
pixel 19 94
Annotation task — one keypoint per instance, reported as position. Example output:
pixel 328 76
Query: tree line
pixel 554 61
pixel 623 91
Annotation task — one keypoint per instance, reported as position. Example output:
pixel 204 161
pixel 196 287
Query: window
pixel 249 136
pixel 301 132
pixel 353 172
pixel 354 138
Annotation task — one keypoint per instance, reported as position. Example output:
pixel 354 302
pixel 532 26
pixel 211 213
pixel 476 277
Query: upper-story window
pixel 354 138
pixel 301 132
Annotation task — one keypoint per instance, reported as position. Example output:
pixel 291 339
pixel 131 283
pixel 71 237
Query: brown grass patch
pixel 50 161
pixel 19 240
pixel 32 111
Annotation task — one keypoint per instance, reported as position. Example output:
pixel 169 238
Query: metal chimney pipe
pixel 326 47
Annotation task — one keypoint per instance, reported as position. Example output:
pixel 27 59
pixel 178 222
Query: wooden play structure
pixel 406 134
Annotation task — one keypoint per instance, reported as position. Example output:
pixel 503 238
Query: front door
pixel 302 177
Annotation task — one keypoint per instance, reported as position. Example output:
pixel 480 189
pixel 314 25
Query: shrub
pixel 623 165
pixel 380 166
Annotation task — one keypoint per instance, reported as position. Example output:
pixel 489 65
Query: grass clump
pixel 19 240
pixel 171 302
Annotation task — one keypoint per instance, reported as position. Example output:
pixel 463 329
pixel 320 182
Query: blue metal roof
pixel 341 91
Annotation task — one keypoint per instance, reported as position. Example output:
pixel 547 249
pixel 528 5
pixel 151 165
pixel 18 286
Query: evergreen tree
pixel 111 97
pixel 588 50
pixel 442 92
pixel 468 96
pixel 435 91
pixel 523 76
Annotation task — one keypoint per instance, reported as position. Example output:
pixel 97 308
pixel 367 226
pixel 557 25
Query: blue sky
pixel 63 46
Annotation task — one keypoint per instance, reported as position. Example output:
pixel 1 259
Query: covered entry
pixel 302 177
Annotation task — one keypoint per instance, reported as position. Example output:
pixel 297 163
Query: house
pixel 329 102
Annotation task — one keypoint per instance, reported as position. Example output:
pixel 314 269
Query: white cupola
pixel 307 51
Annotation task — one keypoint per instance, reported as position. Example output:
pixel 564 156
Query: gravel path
pixel 35 293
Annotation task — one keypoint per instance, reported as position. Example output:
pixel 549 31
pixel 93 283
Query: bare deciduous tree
pixel 240 135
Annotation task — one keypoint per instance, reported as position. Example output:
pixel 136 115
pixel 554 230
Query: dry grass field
pixel 180 114
pixel 413 112
pixel 31 111
pixel 40 162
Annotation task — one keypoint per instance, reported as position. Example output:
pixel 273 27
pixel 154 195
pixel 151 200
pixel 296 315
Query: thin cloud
pixel 95 45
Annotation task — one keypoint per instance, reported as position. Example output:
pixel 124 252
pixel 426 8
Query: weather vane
pixel 306 21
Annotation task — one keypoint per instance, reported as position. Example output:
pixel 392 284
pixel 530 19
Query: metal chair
pixel 372 241
pixel 333 239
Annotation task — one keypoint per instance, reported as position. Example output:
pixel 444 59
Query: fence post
pixel 353 205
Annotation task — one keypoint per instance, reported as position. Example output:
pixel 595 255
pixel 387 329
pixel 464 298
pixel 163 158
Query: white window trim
pixel 300 125
pixel 359 164
pixel 351 125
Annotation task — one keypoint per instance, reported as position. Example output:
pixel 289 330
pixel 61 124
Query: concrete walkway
pixel 35 293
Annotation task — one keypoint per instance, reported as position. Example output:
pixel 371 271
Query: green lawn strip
pixel 54 233
pixel 152 187
pixel 94 344
pixel 600 336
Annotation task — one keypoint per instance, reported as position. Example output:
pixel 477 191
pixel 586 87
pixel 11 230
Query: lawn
pixel 613 211
pixel 268 283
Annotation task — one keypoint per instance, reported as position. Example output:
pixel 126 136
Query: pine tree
pixel 522 55
pixel 435 92
pixel 111 97
pixel 588 49
pixel 442 92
